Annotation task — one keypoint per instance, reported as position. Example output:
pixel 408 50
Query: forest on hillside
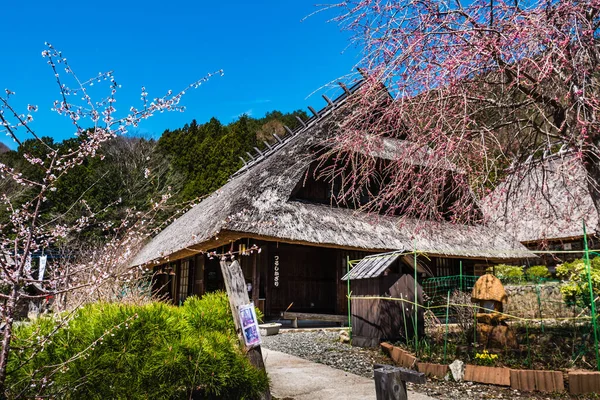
pixel 132 173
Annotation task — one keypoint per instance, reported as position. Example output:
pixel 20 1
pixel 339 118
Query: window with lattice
pixel 184 279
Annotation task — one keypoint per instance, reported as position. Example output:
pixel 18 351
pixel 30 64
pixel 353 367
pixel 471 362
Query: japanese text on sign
pixel 276 271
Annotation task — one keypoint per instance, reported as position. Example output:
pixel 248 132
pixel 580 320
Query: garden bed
pixel 554 347
pixel 324 347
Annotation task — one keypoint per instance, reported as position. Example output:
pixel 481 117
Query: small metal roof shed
pixel 375 265
pixel 372 266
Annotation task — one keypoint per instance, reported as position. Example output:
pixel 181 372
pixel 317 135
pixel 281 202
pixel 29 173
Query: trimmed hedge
pixel 154 351
pixel 537 273
pixel 509 273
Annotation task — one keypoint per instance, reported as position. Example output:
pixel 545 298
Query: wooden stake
pixel 390 381
pixel 238 296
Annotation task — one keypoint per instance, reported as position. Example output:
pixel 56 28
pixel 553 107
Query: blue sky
pixel 271 58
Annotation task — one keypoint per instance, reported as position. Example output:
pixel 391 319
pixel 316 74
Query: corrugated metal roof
pixel 372 266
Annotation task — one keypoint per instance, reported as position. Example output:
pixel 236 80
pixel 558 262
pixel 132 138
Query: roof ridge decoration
pixel 304 126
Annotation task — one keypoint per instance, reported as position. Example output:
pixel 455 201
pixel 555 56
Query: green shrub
pixel 576 290
pixel 211 312
pixel 537 273
pixel 509 273
pixel 155 351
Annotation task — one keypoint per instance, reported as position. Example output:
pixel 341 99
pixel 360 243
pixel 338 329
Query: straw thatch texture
pixel 545 200
pixel 258 204
pixel 488 288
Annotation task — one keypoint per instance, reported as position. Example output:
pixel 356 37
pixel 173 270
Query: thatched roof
pixel 410 153
pixel 544 201
pixel 258 203
pixel 488 288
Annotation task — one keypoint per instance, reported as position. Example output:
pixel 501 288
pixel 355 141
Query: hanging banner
pixel 43 260
pixel 249 325
pixel 276 270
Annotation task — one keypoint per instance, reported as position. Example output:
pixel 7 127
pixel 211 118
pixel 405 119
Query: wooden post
pixel 199 282
pixel 390 381
pixel 255 280
pixel 235 285
pixel 388 386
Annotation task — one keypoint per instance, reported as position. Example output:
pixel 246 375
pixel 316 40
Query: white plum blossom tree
pixel 24 232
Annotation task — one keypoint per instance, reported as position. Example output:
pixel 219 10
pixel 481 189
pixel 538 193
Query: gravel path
pixel 324 347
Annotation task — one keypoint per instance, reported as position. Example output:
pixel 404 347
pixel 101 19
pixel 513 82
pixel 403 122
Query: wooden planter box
pixel 489 375
pixel 528 380
pixel 386 348
pixel 403 358
pixel 430 369
pixel 581 382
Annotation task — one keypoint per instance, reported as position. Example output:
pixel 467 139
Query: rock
pixel 496 337
pixel 457 368
pixel 344 337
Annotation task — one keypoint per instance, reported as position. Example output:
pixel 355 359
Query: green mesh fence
pixel 538 316
pixel 436 289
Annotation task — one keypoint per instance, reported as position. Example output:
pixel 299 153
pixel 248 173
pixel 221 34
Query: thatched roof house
pixel 544 204
pixel 261 204
pixel 266 203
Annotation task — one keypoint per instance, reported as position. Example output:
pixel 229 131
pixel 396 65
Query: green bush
pixel 211 312
pixel 509 273
pixel 537 273
pixel 155 351
pixel 576 290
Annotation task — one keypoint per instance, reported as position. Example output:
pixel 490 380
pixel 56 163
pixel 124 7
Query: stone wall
pixel 523 301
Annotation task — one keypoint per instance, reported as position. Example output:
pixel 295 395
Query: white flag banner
pixel 42 267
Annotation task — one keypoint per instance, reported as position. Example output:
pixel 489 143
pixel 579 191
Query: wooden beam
pixel 312 110
pixel 362 72
pixel 313 316
pixel 237 292
pixel 301 121
pixel 288 130
pixel 344 87
pixel 327 99
pixel 258 151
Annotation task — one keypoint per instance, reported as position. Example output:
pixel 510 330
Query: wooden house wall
pixel 306 279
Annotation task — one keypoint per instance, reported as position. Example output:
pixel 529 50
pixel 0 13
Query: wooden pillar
pixel 176 279
pixel 265 259
pixel 235 284
pixel 199 275
pixel 255 280
pixel 340 263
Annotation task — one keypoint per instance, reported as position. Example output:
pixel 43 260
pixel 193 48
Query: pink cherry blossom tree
pixel 24 232
pixel 475 87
